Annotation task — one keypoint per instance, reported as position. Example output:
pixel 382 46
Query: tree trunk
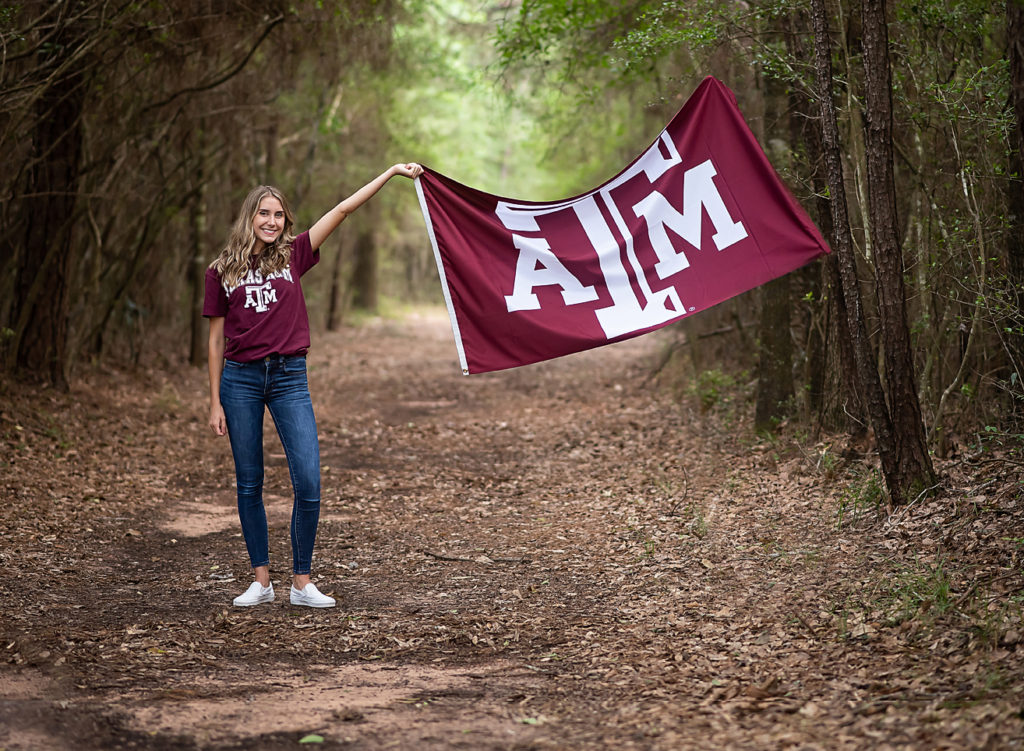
pixel 842 244
pixel 1015 236
pixel 775 361
pixel 827 338
pixel 334 307
pixel 364 274
pixel 914 467
pixel 774 398
pixel 197 256
pixel 41 236
pixel 852 404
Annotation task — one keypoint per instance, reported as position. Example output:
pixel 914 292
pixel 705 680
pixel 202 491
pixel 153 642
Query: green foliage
pixel 714 388
pixel 865 494
pixel 828 463
pixel 562 31
pixel 668 26
pixel 8 16
pixel 566 40
pixel 698 525
pixel 996 442
pixel 922 592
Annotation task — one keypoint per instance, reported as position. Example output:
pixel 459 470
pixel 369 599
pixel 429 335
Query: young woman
pixel 259 335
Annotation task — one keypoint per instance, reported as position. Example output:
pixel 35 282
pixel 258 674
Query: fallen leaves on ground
pixel 647 574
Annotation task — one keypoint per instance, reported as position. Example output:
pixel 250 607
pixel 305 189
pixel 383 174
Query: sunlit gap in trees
pixel 504 130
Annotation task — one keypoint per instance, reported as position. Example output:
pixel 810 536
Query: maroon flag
pixel 698 218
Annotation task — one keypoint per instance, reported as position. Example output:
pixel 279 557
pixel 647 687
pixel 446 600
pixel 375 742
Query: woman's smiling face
pixel 268 224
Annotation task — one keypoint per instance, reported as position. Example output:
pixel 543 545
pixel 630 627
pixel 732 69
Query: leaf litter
pixel 558 556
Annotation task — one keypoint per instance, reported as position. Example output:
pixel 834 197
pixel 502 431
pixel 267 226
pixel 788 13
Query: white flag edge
pixel 444 279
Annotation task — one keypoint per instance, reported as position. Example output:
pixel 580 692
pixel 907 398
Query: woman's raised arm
pixel 329 222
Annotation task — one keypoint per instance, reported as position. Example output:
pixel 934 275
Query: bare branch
pixel 226 76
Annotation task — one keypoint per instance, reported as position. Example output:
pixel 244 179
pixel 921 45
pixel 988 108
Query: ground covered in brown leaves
pixel 567 555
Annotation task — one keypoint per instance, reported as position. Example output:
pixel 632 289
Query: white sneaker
pixel 311 597
pixel 256 594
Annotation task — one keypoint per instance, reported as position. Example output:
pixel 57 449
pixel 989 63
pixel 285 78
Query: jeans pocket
pixel 295 364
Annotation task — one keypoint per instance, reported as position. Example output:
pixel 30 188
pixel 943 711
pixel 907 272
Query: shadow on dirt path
pixel 559 556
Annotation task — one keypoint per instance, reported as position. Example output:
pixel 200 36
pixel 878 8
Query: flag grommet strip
pixel 441 274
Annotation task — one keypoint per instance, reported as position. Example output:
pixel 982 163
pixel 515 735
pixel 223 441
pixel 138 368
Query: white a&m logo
pixel 632 309
pixel 260 296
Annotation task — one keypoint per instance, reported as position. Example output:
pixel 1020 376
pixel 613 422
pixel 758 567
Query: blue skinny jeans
pixel 279 384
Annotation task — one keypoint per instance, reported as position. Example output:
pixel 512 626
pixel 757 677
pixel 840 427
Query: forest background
pixel 130 131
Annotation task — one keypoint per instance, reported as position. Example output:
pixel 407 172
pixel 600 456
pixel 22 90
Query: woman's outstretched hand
pixel 408 170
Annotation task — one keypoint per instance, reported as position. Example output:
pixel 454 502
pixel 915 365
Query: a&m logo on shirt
pixel 260 296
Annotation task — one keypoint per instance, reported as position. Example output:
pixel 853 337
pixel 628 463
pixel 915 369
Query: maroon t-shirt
pixel 264 316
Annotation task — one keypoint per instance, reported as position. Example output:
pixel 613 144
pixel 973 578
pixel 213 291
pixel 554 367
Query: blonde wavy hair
pixel 235 258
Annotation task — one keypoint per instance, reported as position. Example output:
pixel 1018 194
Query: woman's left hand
pixel 408 170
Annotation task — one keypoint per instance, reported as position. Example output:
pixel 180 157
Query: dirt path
pixel 560 556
